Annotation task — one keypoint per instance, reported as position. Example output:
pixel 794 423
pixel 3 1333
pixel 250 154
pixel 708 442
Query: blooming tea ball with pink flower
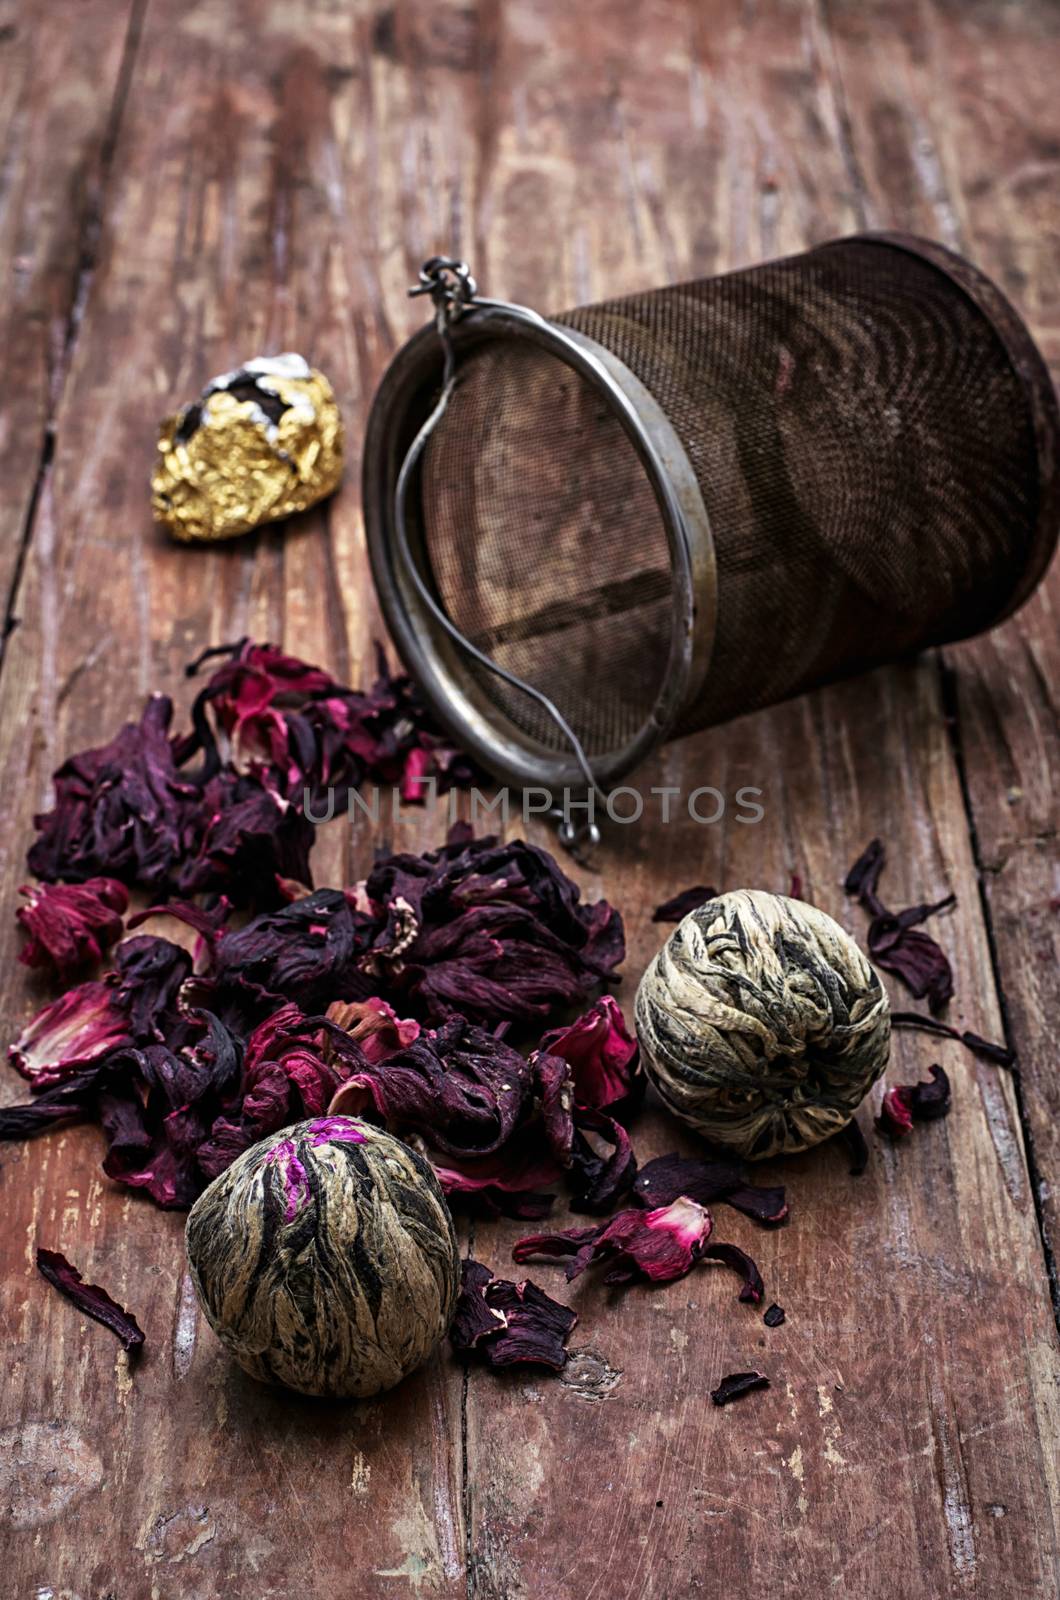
pixel 325 1259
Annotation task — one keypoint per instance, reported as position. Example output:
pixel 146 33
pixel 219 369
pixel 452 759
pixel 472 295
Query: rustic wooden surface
pixel 183 186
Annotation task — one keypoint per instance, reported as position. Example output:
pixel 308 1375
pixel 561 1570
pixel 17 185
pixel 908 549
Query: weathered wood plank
pixel 61 92
pixel 960 135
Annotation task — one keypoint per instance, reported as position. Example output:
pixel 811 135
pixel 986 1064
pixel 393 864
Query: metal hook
pixel 448 282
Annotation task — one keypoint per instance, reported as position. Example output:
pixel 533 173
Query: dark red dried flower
pixel 81 1026
pixel 74 1099
pixel 89 1298
pixel 492 931
pixel 291 1070
pixel 914 1102
pixel 598 1180
pixel 305 952
pixel 735 1384
pixel 122 810
pixel 893 940
pixel 773 1316
pixel 678 907
pixel 603 1056
pixel 706 1181
pixel 247 837
pixel 741 1262
pixel 509 1324
pixel 70 924
pixel 461 1089
pixel 148 976
pixel 660 1245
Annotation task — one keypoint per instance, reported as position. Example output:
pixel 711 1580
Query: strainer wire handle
pixel 453 290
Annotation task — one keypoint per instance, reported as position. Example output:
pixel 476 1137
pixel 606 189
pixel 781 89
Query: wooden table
pixel 186 185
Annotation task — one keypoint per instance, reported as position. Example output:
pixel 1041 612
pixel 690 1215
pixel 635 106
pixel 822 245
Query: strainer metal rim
pixel 475 721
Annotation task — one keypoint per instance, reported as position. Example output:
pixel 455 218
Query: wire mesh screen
pixel 546 545
pixel 864 447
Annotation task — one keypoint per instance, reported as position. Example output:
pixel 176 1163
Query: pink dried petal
pixel 896 1113
pixel 70 923
pixel 82 1025
pixel 602 1053
pixel 375 1026
pixel 660 1245
pixel 914 1102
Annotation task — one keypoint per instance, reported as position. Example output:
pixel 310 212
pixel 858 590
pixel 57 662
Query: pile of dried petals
pixel 220 807
pixel 391 999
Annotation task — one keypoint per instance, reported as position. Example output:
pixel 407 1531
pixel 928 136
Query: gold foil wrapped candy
pixel 259 444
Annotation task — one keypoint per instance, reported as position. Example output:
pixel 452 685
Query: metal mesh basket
pixel 663 511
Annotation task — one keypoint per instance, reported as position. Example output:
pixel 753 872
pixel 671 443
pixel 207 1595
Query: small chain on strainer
pixel 452 290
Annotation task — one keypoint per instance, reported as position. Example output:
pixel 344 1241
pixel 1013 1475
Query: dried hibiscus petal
pixel 999 1054
pixel 660 1245
pixel 70 924
pixel 735 1384
pixel 717 1178
pixel 894 941
pixel 305 952
pixel 89 1297
pixel 741 1262
pixel 597 1181
pixel 509 1324
pixel 773 1316
pixel 374 1025
pixel 473 1320
pixel 896 1114
pixel 678 907
pixel 914 1102
pixel 603 1056
pixel 122 810
pixel 148 975
pixel 82 1025
pixel 462 1089
pixel 74 1098
pixel 250 836
pixel 491 931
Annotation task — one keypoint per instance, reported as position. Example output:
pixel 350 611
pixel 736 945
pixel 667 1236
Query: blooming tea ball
pixel 325 1258
pixel 762 1024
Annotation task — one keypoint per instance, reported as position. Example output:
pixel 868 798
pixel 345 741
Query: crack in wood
pixel 951 708
pixel 89 233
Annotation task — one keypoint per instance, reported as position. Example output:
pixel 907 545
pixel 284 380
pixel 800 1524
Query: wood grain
pixel 62 88
pixel 955 124
pixel 278 172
